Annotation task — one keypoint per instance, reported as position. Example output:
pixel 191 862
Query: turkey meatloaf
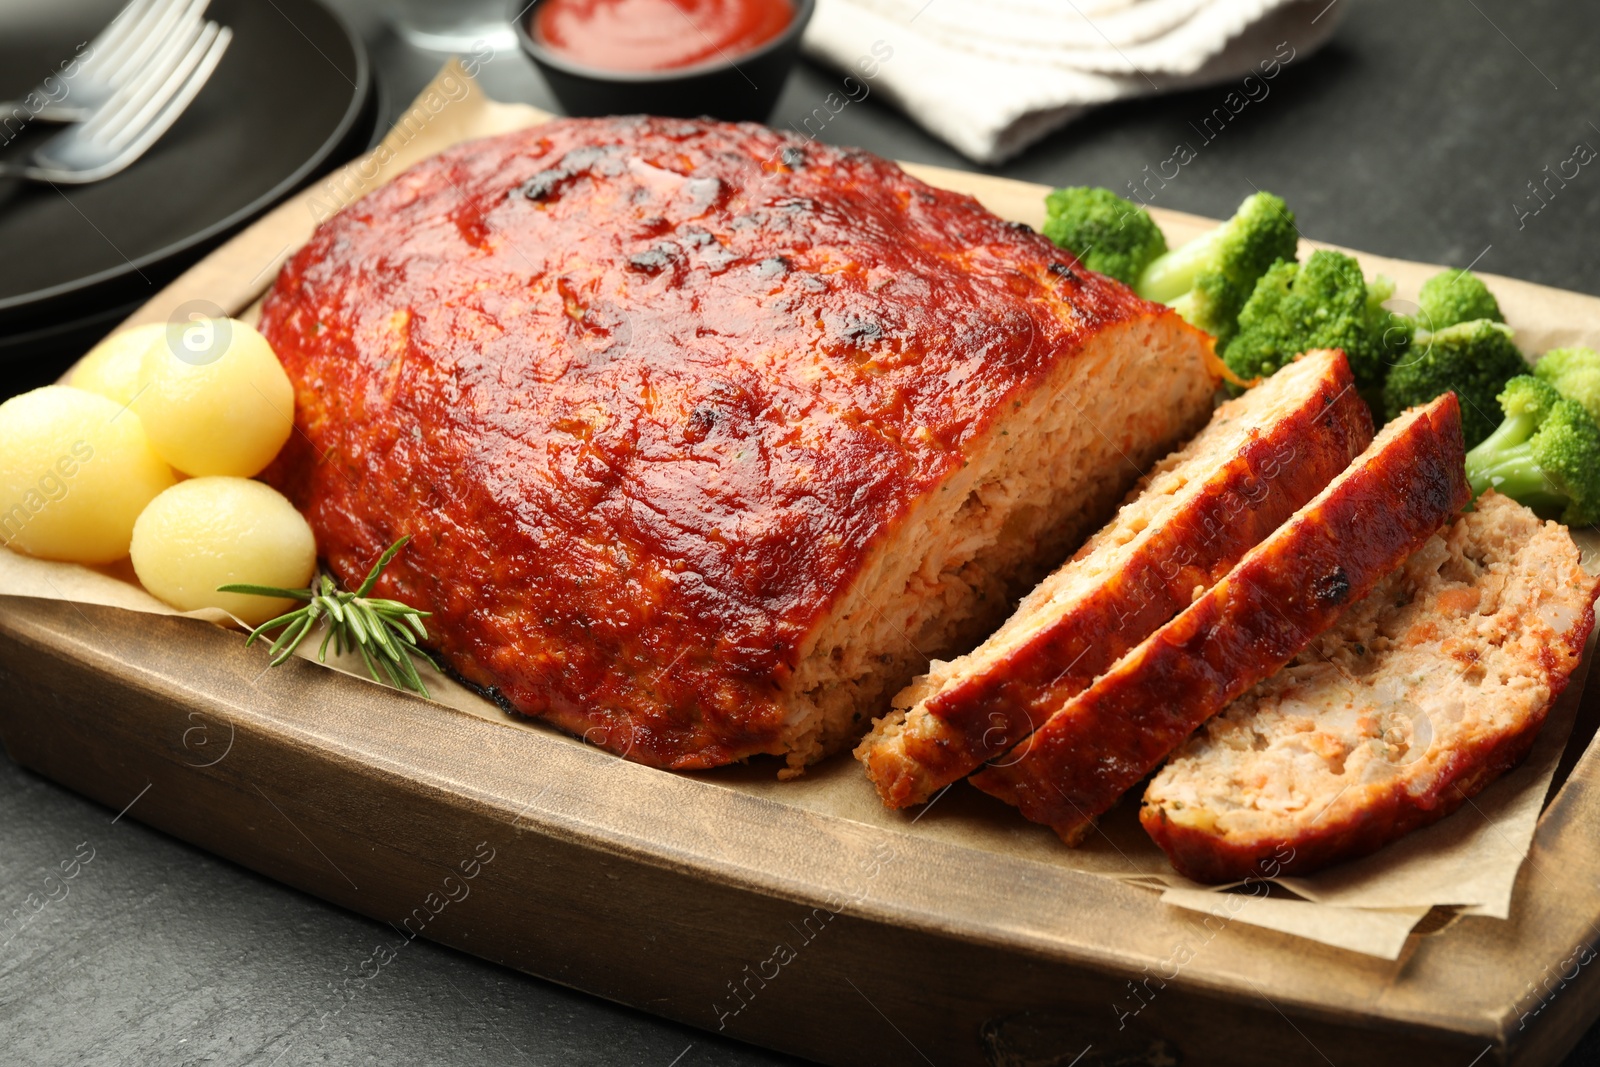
pixel 1259 458
pixel 1423 693
pixel 708 438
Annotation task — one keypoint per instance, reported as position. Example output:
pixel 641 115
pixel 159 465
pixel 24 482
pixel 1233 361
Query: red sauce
pixel 658 34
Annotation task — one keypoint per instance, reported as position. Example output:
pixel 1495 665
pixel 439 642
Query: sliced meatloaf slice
pixel 1260 458
pixel 1424 692
pixel 1287 590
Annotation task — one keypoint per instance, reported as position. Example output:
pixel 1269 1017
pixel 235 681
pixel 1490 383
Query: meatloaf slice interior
pixel 708 437
pixel 1188 522
pixel 1425 691
pixel 1287 590
pixel 1041 477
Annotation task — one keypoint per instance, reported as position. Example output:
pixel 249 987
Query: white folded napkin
pixel 990 77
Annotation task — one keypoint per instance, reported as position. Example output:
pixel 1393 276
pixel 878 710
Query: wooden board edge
pixel 610 923
pixel 314 805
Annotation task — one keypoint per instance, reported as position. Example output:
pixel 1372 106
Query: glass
pixel 454 25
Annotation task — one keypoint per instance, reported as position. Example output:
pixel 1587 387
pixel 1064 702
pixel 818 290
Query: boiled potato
pixel 213 531
pixel 75 472
pixel 112 367
pixel 215 400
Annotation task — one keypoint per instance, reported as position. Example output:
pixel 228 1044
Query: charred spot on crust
pixel 654 260
pixel 548 183
pixel 1061 270
pixel 542 186
pixel 1020 227
pixel 861 331
pixel 793 158
pixel 1332 588
pixel 488 692
pixel 702 420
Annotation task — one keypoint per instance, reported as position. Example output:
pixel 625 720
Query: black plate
pixel 290 98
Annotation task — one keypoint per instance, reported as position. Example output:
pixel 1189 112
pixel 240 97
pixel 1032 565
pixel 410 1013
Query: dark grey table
pixel 1414 134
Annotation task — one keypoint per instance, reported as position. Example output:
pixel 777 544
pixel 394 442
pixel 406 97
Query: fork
pixel 106 63
pixel 125 127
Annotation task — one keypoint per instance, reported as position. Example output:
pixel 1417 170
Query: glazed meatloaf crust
pixel 1287 590
pixel 1425 691
pixel 1189 521
pixel 707 437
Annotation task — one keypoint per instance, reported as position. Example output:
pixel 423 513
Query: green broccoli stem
pixel 1173 273
pixel 1515 473
pixel 1505 442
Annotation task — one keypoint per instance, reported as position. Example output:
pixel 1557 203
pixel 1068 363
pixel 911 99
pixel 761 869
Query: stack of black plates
pixel 291 98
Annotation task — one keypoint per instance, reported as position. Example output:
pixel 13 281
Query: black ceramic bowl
pixel 744 87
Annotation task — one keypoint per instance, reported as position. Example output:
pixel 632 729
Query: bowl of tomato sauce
pixel 727 59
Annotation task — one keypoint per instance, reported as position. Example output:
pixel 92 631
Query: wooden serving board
pixel 738 910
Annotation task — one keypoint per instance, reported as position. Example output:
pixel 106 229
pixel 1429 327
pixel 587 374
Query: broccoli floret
pixel 1107 233
pixel 1454 296
pixel 1209 279
pixel 1323 303
pixel 1475 359
pixel 1546 454
pixel 1575 373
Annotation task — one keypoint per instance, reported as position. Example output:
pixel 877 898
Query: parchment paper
pixel 1467 862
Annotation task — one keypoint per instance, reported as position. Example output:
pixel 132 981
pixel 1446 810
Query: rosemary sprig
pixel 385 632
